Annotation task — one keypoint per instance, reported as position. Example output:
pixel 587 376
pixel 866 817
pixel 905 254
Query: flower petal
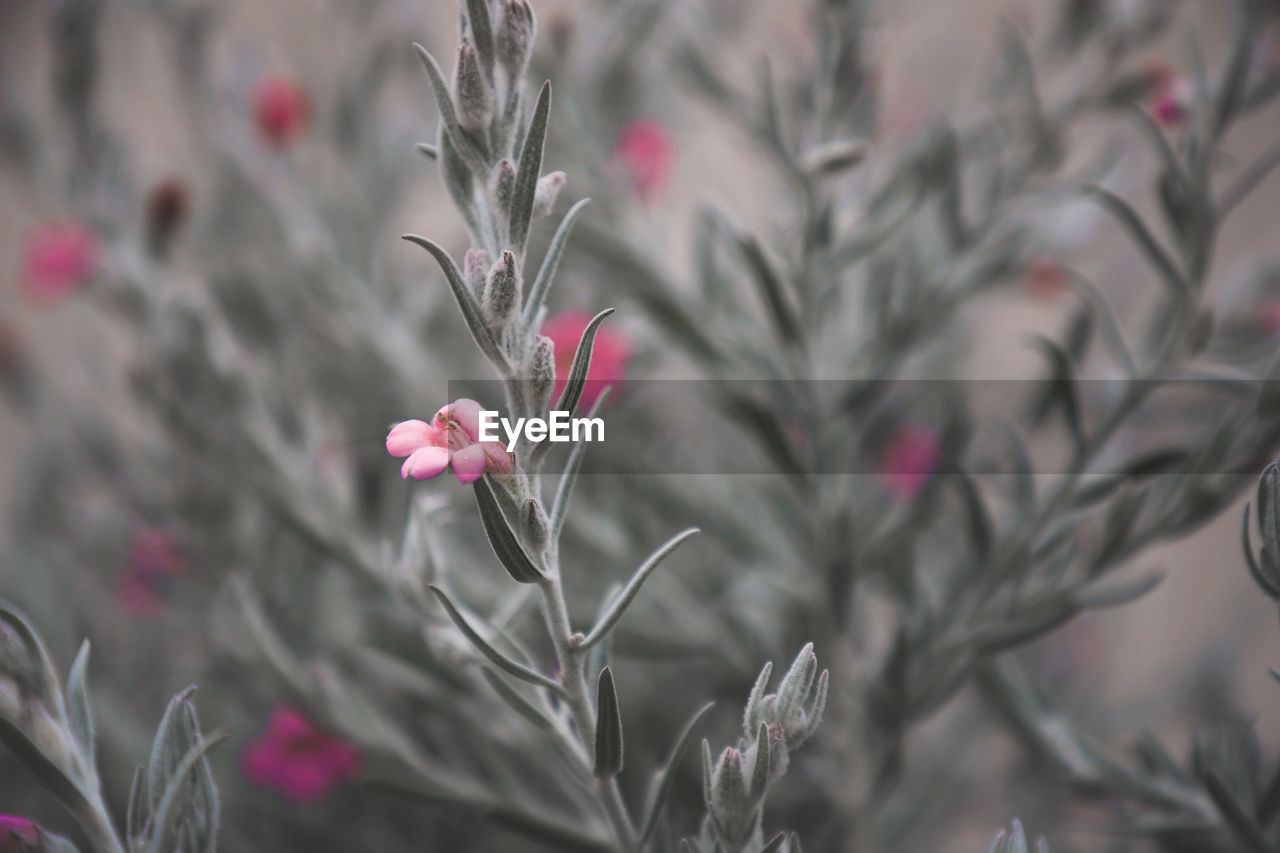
pixel 465 413
pixel 408 436
pixel 469 463
pixel 424 463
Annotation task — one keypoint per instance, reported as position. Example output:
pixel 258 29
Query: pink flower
pixel 909 460
pixel 281 110
pixel 453 437
pixel 609 356
pixel 155 558
pixel 1171 95
pixel 17 834
pixel 59 258
pixel 1269 318
pixel 645 152
pixel 1044 277
pixel 297 759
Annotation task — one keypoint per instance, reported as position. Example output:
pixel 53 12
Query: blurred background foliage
pixel 1001 280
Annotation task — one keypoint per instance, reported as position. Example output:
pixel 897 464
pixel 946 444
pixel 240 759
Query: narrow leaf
pixel 667 775
pixel 482 33
pixel 444 100
pixel 775 843
pixel 632 589
pixel 482 645
pixel 771 289
pixel 502 538
pixel 550 261
pixel 1128 217
pixel 517 702
pixel 564 490
pixel 79 712
pixel 577 378
pixel 163 815
pixel 471 314
pixel 608 727
pixel 527 172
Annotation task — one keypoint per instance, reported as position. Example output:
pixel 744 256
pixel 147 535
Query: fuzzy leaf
pixel 577 378
pixel 528 169
pixel 506 545
pixel 471 313
pixel 608 727
pixel 448 114
pixel 483 646
pixel 667 775
pixel 79 712
pixel 632 589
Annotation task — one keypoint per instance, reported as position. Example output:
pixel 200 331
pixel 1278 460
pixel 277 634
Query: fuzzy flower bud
pixel 472 92
pixel 534 525
pixel 502 293
pixel 515 36
pixel 542 373
pixel 19 835
pixel 504 182
pixel 733 798
pixel 548 189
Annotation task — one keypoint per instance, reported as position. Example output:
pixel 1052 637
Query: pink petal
pixel 469 463
pixel 260 763
pixel 465 413
pixel 425 463
pixel 498 459
pixel 407 436
pixel 305 781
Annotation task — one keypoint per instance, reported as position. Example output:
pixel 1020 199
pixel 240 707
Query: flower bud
pixel 542 374
pixel 548 189
pixel 732 802
pixel 475 268
pixel 534 525
pixel 504 182
pixel 472 92
pixel 514 39
pixel 502 293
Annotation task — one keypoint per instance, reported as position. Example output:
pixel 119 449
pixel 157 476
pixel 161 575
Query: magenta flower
pixel 59 258
pixel 281 110
pixel 155 558
pixel 297 759
pixel 18 835
pixel 908 460
pixel 645 152
pixel 452 438
pixel 609 356
pixel 1045 277
pixel 1171 94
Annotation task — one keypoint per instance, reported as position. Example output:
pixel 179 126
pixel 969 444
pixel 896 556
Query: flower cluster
pixel 297 759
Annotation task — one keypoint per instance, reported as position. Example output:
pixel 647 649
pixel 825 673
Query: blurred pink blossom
pixel 1171 94
pixel 155 558
pixel 453 438
pixel 59 258
pixel 297 759
pixel 18 835
pixel 908 460
pixel 645 152
pixel 1045 277
pixel 609 356
pixel 281 110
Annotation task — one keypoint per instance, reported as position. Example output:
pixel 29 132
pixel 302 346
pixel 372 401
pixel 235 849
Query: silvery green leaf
pixel 1060 388
pixel 136 813
pixel 775 843
pixel 79 713
pixel 1231 91
pixel 667 775
pixel 466 147
pixel 577 378
pixel 760 769
pixel 471 312
pixel 483 646
pixel 506 545
pixel 1239 819
pixel 564 489
pixel 172 742
pixel 632 589
pixel 551 260
pixel 482 34
pixel 608 727
pixel 767 279
pixel 459 184
pixel 518 702
pixel 528 170
pixel 171 808
pixel 1146 241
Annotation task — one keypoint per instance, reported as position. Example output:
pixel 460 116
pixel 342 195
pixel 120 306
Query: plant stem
pixel 572 676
